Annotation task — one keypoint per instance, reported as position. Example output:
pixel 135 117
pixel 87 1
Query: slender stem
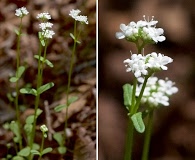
pixel 133 96
pixel 17 85
pixel 140 95
pixel 39 82
pixel 42 144
pixel 69 80
pixel 129 141
pixel 147 136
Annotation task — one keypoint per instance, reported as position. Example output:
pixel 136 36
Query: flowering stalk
pixel 147 136
pixel 150 90
pixel 81 19
pixel 44 35
pixel 21 12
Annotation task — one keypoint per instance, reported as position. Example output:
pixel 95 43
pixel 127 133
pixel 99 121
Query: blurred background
pixel 173 135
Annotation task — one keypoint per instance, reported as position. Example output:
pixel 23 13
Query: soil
pixel 174 126
pixel 81 141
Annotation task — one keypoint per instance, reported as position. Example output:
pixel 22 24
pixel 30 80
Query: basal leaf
pixel 138 122
pixel 24 152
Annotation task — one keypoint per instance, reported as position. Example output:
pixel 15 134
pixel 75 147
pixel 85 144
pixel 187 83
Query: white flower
pixel 75 15
pixel 142 65
pixel 21 12
pixel 157 91
pixel 47 33
pixel 137 65
pixel 144 30
pixel 43 128
pixel 82 19
pixel 44 16
pixel 158 61
pixel 46 25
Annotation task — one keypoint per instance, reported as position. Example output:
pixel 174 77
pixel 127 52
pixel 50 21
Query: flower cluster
pixel 45 26
pixel 21 12
pixel 44 130
pixel 142 65
pixel 75 15
pixel 143 30
pixel 157 91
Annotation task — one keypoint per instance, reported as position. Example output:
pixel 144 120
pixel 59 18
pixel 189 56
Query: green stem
pixel 140 95
pixel 147 136
pixel 133 96
pixel 37 99
pixel 69 80
pixel 42 145
pixel 129 141
pixel 17 85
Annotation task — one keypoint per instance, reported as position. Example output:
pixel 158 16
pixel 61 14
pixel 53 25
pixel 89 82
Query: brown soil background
pixel 173 135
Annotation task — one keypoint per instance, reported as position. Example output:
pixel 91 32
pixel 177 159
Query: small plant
pixel 147 92
pixel 24 133
pixel 61 139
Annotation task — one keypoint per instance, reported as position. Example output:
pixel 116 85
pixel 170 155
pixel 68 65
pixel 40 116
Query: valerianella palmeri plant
pixel 147 92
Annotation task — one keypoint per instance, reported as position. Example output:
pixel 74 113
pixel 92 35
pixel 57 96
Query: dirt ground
pixel 173 135
pixel 81 143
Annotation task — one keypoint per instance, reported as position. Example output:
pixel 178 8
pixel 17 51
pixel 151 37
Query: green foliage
pixel 19 73
pixel 47 150
pixel 44 60
pixel 24 152
pixel 28 91
pixel 127 94
pixel 62 106
pixel 15 129
pixel 138 122
pixel 59 138
pixel 73 37
pixel 45 87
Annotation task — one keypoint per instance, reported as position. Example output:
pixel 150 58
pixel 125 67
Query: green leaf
pixel 36 146
pixel 45 87
pixel 28 128
pixel 17 32
pixel 13 79
pixel 15 129
pixel 44 60
pixel 138 122
pixel 49 63
pixel 60 107
pixel 20 71
pixel 35 152
pixel 127 95
pixel 58 137
pixel 62 150
pixel 17 158
pixel 30 119
pixel 72 99
pixel 47 150
pixel 73 37
pixel 24 152
pixel 28 91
